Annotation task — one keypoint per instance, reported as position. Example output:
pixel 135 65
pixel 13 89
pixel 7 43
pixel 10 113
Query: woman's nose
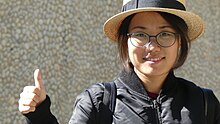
pixel 152 44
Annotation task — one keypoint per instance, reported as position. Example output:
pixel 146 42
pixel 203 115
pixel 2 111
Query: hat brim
pixel 194 22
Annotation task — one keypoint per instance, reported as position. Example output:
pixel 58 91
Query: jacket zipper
pixel 156 108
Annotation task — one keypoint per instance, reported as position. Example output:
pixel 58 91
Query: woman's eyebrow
pixel 166 26
pixel 138 27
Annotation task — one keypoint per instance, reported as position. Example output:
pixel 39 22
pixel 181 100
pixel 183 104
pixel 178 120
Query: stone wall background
pixel 64 38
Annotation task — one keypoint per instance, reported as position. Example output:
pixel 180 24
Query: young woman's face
pixel 151 60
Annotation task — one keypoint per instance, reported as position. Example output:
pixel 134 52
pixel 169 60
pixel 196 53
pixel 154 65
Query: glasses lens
pixel 166 39
pixel 139 39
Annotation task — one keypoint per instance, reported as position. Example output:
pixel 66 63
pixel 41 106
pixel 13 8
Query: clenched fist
pixel 32 96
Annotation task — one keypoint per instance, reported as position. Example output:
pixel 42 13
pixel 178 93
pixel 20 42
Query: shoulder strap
pixel 208 107
pixel 109 96
pixel 205 96
pixel 109 99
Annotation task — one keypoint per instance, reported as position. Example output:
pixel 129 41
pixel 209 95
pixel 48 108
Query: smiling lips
pixel 154 59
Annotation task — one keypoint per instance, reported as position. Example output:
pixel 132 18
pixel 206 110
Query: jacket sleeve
pixel 42 114
pixel 84 110
pixel 87 104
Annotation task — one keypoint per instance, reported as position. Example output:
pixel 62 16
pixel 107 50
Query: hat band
pixel 171 4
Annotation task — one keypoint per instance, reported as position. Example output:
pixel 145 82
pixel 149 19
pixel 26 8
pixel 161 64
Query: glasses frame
pixel 156 37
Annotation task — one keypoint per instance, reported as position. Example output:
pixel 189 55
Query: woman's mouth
pixel 154 60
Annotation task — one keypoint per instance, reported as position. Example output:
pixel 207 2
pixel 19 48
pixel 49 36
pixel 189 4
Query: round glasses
pixel 163 39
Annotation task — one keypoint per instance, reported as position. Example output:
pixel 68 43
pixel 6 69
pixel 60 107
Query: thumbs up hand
pixel 32 96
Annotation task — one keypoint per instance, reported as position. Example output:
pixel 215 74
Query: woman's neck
pixel 152 83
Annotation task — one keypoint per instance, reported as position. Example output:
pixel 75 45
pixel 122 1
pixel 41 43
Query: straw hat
pixel 177 7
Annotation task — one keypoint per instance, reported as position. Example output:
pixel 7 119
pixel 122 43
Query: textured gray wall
pixel 64 39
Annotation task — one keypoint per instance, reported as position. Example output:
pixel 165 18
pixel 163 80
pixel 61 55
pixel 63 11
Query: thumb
pixel 39 85
pixel 37 79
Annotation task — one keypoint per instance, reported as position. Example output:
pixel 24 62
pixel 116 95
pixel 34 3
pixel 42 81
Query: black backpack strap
pixel 209 110
pixel 106 110
pixel 109 97
pixel 205 96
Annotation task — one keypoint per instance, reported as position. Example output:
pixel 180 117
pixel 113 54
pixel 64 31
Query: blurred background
pixel 64 39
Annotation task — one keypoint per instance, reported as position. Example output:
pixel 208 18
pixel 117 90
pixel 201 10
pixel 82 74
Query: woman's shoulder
pixel 192 87
pixel 189 88
pixel 186 83
pixel 95 92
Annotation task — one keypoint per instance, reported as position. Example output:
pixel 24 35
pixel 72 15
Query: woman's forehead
pixel 148 20
pixel 148 17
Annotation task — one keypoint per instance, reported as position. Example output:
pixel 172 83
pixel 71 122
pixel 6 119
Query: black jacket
pixel 179 102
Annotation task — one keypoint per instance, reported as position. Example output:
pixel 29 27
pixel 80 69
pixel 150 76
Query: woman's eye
pixel 166 34
pixel 140 35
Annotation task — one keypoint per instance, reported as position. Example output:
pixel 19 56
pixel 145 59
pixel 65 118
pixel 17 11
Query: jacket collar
pixel 131 80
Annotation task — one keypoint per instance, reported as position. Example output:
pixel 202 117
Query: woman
pixel 153 38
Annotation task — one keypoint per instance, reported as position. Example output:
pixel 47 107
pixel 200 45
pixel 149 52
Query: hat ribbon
pixel 171 4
